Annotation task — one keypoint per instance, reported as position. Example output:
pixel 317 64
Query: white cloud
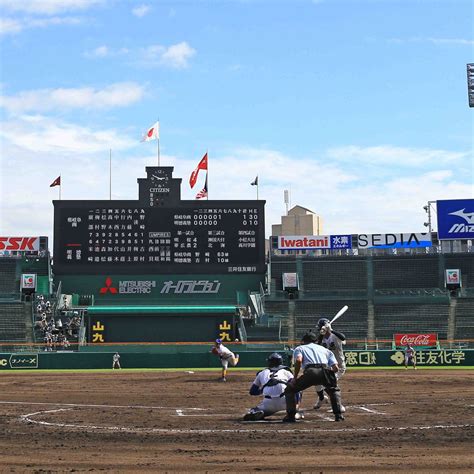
pixel 41 100
pixel 437 41
pixel 99 52
pixel 38 134
pixel 347 201
pixel 176 56
pixel 10 26
pixel 47 7
pixel 141 11
pixel 105 51
pixel 14 26
pixel 390 155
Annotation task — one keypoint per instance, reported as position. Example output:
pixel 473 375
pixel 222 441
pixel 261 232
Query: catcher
pixel 226 356
pixel 271 383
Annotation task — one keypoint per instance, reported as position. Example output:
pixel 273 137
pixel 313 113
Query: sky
pixel 357 107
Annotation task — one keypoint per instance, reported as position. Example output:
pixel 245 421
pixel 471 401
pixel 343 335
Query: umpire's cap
pixel 309 337
pixel 274 360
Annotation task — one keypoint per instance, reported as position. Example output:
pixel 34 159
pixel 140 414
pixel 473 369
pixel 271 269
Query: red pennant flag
pixel 194 175
pixel 56 182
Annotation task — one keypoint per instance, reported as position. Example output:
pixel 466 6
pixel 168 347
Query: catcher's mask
pixel 322 322
pixel 274 360
pixel 309 337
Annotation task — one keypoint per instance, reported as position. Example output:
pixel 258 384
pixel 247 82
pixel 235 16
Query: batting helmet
pixel 274 360
pixel 322 322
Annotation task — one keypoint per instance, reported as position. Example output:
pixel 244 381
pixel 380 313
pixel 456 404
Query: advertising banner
pixel 290 281
pixel 314 242
pixel 389 241
pixel 455 219
pixel 19 244
pixel 18 361
pixel 420 340
pixel 453 277
pixel 28 281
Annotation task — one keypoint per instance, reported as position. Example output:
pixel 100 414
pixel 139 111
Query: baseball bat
pixel 340 313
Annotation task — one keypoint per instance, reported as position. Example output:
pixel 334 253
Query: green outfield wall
pixel 184 358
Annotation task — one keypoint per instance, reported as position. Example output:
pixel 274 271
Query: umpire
pixel 319 368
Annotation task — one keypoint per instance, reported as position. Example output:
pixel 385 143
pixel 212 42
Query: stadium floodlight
pixel 470 83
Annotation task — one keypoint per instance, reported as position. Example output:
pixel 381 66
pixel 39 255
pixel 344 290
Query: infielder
pixel 271 383
pixel 332 340
pixel 410 356
pixel 226 356
pixel 319 368
pixel 116 361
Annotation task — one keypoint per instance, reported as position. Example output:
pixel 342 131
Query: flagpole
pixel 110 173
pixel 60 184
pixel 158 140
pixel 257 188
pixel 207 174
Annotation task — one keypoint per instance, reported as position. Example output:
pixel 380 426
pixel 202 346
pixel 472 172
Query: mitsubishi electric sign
pixel 455 219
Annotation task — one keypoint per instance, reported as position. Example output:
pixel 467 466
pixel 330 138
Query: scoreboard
pixel 159 235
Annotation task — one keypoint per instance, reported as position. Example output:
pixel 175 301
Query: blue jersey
pixel 314 354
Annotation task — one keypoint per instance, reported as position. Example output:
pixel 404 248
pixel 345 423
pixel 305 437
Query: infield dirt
pixel 420 421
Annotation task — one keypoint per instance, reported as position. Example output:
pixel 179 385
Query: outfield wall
pixel 183 359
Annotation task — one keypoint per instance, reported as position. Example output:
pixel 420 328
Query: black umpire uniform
pixel 319 368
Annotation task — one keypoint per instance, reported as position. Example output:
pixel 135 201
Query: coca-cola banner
pixel 425 340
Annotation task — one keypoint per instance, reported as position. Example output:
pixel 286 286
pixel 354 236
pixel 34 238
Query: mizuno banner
pixel 455 219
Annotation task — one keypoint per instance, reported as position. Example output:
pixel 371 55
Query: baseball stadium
pixel 113 341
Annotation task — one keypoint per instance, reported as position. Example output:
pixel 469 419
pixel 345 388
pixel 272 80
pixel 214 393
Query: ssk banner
pixel 455 219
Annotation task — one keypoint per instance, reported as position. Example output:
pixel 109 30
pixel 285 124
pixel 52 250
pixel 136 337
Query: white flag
pixel 153 133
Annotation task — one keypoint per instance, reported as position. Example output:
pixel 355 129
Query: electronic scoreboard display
pixel 159 233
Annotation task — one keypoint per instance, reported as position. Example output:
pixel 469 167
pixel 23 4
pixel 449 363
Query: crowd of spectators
pixel 55 332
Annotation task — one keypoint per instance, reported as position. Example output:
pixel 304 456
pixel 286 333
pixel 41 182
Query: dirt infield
pixel 176 421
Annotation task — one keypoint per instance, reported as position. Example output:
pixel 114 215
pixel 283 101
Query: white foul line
pixel 82 405
pixel 369 410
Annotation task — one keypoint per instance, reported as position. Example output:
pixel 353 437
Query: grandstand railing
pixel 411 292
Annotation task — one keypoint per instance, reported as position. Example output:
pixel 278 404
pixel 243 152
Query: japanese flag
pixel 153 133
